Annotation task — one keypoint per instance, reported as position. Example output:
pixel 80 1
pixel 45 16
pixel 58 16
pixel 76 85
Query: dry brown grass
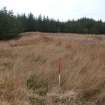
pixel 83 71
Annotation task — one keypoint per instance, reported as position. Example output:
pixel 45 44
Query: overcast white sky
pixel 58 9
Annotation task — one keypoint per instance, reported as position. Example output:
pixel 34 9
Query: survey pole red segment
pixel 60 66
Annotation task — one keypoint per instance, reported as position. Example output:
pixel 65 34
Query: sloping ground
pixel 83 73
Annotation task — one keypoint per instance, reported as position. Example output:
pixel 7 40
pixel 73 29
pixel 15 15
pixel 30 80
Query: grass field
pixel 37 54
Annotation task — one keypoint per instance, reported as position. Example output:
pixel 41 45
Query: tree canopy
pixel 11 25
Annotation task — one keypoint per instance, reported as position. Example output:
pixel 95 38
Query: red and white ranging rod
pixel 59 71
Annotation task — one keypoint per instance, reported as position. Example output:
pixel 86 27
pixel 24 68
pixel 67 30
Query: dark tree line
pixel 11 25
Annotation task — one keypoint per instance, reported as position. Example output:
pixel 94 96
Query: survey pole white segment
pixel 59 77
